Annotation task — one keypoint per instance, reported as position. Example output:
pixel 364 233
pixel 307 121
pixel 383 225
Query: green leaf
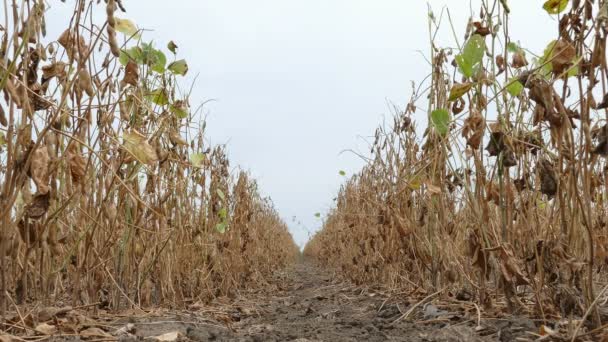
pixel 541 204
pixel 159 97
pixel 172 47
pixel 223 213
pixel 415 183
pixel 514 87
pixel 126 26
pixel 221 227
pixel 2 139
pixel 160 61
pixel 512 47
pixel 135 54
pixel 221 195
pixel 458 90
pixel 197 159
pixel 179 67
pixel 441 121
pixel 555 6
pixel 155 59
pixel 342 173
pixel 179 109
pixel 470 60
pixel 317 215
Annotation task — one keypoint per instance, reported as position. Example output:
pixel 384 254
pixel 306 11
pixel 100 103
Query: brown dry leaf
pixel 476 252
pixel 563 55
pixel 137 145
pixel 8 338
pixel 510 269
pixel 39 206
pixel 519 60
pixel 168 337
pixel 500 63
pixel 46 329
pixel 481 29
pixel 131 74
pixel 94 332
pixel 541 92
pixel 548 178
pixel 48 313
pixel 602 142
pixel 39 169
pixel 473 129
pixel 57 69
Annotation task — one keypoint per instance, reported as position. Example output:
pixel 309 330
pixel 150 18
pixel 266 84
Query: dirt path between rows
pixel 306 303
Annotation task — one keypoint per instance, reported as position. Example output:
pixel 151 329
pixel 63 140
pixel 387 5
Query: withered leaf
pixel 548 178
pixel 500 63
pixel 602 145
pixel 459 89
pixel 131 74
pixel 541 92
pixel 511 271
pixel 39 206
pixel 137 145
pixel 57 69
pixel 481 29
pixel 496 144
pixel 473 129
pixel 519 60
pixel 563 56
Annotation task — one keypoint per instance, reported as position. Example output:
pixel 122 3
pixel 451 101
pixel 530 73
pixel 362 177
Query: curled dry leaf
pixel 510 269
pixel 563 56
pixel 500 63
pixel 137 145
pixel 473 129
pixel 481 29
pixel 131 74
pixel 519 60
pixel 39 206
pixel 57 69
pixel 39 169
pixel 548 178
pixel 46 329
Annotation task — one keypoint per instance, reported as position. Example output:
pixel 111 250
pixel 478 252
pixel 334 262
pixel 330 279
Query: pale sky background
pixel 297 82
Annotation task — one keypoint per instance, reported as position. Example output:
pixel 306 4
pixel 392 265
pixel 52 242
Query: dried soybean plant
pixel 109 193
pixel 504 199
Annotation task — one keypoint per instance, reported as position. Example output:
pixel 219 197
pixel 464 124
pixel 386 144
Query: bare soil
pixel 306 303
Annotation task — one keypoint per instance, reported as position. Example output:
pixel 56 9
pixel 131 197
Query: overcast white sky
pixel 296 82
